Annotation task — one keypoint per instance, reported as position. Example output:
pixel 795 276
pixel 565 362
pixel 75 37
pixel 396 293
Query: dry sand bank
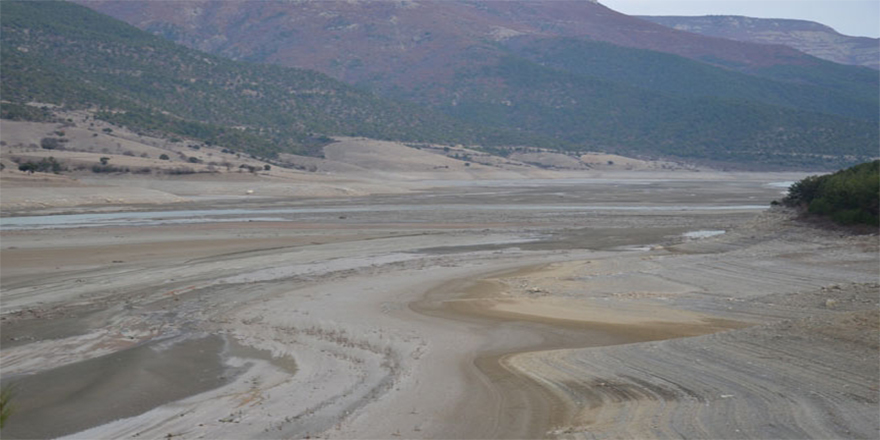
pixel 462 316
pixel 812 375
pixel 353 167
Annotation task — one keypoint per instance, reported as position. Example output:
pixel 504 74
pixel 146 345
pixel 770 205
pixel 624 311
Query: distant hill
pixel 62 53
pixel 572 70
pixel 403 45
pixel 622 118
pixel 413 38
pixel 807 36
pixel 851 95
pixel 513 90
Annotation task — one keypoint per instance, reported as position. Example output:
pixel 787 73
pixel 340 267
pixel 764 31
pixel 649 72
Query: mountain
pixel 417 49
pixel 806 36
pixel 62 53
pixel 850 95
pixel 421 40
pixel 573 70
pixel 611 116
pixel 533 90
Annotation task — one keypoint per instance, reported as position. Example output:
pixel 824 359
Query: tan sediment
pixel 614 362
pixel 492 297
pixel 524 406
pixel 776 379
pixel 510 342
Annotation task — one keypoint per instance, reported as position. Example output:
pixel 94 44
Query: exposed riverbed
pixel 463 311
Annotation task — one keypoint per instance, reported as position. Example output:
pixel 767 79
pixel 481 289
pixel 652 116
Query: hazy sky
pixel 849 17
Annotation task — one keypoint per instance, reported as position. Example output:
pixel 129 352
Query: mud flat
pixel 581 308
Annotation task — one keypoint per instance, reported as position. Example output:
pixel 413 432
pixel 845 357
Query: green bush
pixel 23 112
pixel 50 143
pixel 46 165
pixel 6 408
pixel 850 196
pixel 109 169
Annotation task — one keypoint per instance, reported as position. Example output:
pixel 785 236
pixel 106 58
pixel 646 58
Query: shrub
pixel 164 157
pixel 46 165
pixel 21 112
pixel 50 164
pixel 194 160
pixel 109 169
pixel 27 167
pixel 850 196
pixel 50 143
pixel 802 192
pixel 6 395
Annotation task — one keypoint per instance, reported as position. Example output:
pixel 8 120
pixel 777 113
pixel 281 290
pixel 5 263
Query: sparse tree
pixel 27 167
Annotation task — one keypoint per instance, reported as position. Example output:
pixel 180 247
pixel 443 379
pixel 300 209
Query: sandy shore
pixel 473 310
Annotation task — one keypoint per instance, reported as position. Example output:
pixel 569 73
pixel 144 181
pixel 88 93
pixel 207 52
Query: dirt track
pixel 487 311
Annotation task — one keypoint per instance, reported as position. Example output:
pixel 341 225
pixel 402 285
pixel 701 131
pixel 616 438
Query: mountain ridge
pixel 410 30
pixel 809 37
pixel 63 53
pixel 499 100
pixel 417 49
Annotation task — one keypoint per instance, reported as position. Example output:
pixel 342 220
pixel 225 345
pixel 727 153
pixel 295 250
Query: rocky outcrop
pixel 806 36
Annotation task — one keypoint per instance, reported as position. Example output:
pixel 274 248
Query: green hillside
pixel 840 90
pixel 573 95
pixel 613 116
pixel 66 54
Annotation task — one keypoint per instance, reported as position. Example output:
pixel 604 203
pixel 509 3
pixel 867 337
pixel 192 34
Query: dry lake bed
pixel 578 308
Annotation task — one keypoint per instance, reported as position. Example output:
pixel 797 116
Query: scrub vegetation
pixel 850 196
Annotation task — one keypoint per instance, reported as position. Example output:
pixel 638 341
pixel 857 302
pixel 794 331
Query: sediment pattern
pixel 548 324
pixel 777 381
